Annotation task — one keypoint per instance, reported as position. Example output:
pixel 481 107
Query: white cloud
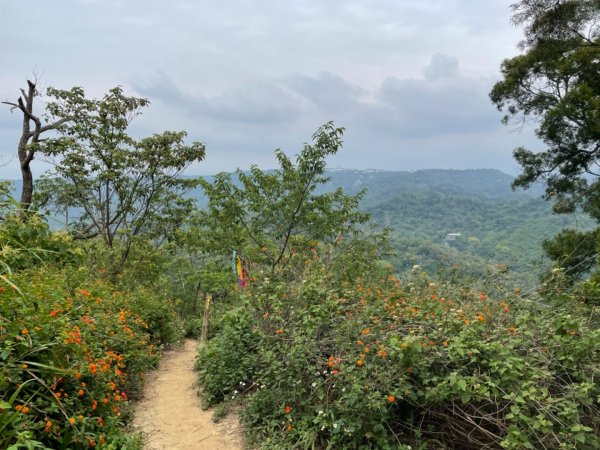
pixel 408 79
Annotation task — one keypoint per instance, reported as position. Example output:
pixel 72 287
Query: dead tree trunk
pixel 30 138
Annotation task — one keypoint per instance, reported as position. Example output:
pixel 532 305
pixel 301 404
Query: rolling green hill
pixel 496 224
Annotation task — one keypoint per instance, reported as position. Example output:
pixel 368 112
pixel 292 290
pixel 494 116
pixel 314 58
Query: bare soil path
pixel 169 416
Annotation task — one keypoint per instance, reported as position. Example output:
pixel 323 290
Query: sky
pixel 408 80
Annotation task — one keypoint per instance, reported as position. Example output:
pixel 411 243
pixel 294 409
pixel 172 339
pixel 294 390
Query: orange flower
pixel 94 405
pixel 24 331
pixel 330 361
pixel 48 426
pixel 53 313
pixel 482 296
pixel 359 362
pixel 382 353
pixel 80 392
pixel 84 292
pixel 25 410
pixel 287 409
pixel 359 342
pixel 19 407
pixel 289 427
pixel 279 331
pixel 366 331
pixel 93 368
pixel 391 399
pixel 71 420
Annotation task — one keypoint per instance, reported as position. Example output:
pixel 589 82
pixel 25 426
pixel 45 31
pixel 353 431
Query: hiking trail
pixel 169 415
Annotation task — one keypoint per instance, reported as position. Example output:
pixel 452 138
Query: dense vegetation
pixel 339 333
pixel 331 349
pixel 497 226
pixel 327 346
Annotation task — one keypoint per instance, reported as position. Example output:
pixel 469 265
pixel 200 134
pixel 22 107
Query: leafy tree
pixel 123 188
pixel 269 216
pixel 555 81
pixel 31 132
pixel 574 251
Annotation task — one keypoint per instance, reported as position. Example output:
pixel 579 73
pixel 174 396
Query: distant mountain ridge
pixel 481 182
pixel 496 224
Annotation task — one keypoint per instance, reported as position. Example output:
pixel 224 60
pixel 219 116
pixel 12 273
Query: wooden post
pixel 204 332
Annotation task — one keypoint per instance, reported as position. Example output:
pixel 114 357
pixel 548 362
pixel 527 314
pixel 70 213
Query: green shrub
pixel 382 363
pixel 73 350
pixel 228 362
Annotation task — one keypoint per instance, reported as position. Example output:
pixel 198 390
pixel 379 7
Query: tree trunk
pixel 29 140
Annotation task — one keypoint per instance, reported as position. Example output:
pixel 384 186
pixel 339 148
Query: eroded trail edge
pixel 169 416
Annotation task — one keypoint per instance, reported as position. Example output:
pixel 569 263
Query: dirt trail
pixel 169 416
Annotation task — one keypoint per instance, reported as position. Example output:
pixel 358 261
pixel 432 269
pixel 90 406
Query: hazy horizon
pixel 409 81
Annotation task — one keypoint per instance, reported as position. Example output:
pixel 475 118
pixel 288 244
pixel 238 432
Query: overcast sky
pixel 408 79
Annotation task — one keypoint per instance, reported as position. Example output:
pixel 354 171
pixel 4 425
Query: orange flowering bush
pixel 73 351
pixel 368 360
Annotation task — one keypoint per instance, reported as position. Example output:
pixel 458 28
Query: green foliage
pixel 274 214
pixel 556 81
pixel 498 226
pixel 121 188
pixel 370 361
pixel 74 349
pixel 227 362
pixel 29 242
pixel 505 230
pixel 574 252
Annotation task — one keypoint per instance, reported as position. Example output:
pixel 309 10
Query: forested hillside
pixel 496 224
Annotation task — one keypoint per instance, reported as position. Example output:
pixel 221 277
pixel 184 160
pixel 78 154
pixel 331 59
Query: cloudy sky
pixel 409 80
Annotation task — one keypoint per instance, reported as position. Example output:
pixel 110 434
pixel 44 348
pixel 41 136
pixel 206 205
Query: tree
pixel 555 81
pixel 268 216
pixel 123 188
pixel 29 143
